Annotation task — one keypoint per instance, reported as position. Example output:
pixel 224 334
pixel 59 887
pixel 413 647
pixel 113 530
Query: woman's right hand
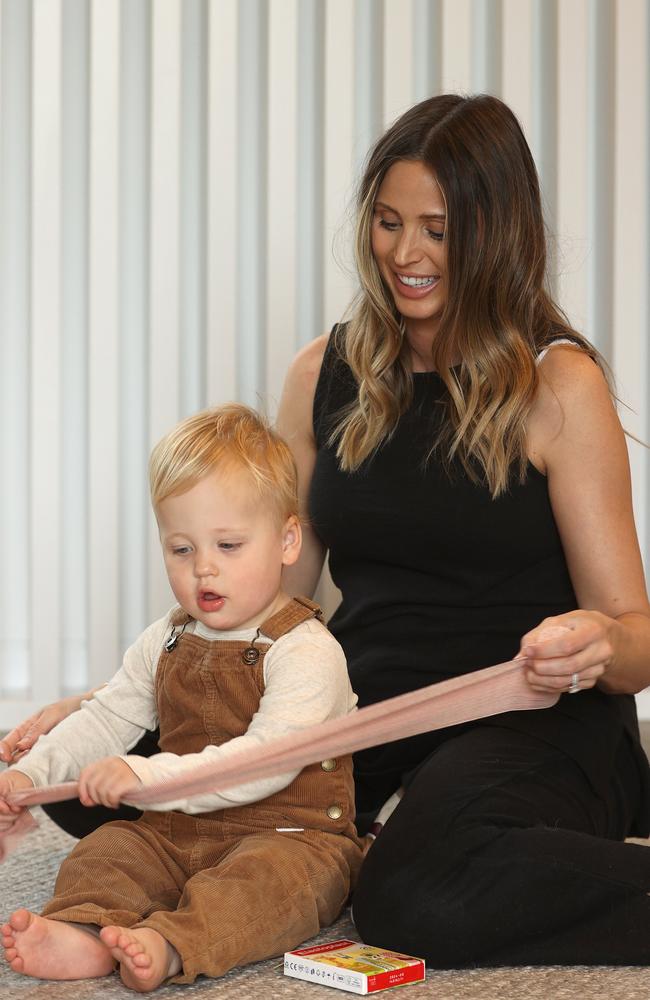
pixel 23 737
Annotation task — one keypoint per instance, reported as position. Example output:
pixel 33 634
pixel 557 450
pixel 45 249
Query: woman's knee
pixel 428 924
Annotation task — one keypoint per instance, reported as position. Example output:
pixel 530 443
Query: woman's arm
pixel 295 424
pixel 576 439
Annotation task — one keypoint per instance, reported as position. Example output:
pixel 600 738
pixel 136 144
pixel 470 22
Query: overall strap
pixel 297 611
pixel 179 617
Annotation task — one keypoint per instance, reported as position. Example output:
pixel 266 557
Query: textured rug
pixel 27 877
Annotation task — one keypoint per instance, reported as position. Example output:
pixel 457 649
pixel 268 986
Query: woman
pixel 462 461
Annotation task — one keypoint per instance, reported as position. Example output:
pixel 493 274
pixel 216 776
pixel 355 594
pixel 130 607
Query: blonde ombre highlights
pixel 499 314
pixel 229 438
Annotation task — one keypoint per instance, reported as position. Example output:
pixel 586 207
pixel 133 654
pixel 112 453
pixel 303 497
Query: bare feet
pixel 146 958
pixel 52 949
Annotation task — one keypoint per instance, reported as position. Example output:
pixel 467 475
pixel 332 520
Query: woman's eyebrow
pixel 437 216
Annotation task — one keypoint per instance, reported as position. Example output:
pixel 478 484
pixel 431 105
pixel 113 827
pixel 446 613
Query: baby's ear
pixel 291 540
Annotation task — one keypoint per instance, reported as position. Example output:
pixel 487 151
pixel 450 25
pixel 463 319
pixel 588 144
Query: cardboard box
pixel 349 965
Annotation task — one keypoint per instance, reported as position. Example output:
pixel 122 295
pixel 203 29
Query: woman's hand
pixel 105 782
pixel 569 652
pixel 22 738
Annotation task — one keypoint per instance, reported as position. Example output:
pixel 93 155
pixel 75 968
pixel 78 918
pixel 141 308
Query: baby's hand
pixel 105 782
pixel 11 781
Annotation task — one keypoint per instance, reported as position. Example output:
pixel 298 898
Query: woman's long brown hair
pixel 499 314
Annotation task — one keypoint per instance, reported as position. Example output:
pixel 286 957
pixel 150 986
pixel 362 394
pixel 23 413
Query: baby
pixel 199 885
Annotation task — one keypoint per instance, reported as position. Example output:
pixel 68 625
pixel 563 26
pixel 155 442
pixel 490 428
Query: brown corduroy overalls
pixel 226 887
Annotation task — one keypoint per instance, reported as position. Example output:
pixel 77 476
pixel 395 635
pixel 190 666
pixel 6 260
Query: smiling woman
pixel 408 244
pixel 450 194
pixel 462 464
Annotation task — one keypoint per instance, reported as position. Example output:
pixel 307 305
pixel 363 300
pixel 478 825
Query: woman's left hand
pixel 569 652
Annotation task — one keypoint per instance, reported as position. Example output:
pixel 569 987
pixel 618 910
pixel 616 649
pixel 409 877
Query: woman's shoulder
pixel 326 351
pixel 306 365
pixel 295 413
pixel 573 399
pixel 316 370
pixel 302 377
pixel 569 377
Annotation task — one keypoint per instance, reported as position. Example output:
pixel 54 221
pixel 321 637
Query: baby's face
pixel 224 550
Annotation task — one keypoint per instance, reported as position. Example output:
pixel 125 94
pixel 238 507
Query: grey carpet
pixel 27 877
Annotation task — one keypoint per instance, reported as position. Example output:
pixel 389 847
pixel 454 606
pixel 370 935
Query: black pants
pixel 501 853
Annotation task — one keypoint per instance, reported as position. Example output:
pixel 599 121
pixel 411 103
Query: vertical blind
pixel 175 187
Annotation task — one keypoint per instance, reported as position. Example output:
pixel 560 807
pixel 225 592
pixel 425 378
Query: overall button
pixel 329 765
pixel 334 812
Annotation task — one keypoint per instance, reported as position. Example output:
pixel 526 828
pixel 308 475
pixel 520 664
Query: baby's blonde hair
pixel 225 438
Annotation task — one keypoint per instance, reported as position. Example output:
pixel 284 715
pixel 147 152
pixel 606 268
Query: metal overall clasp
pixel 172 642
pixel 251 655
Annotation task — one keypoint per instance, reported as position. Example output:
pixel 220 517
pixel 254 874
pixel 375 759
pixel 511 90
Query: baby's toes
pixel 130 945
pixel 109 936
pixel 142 960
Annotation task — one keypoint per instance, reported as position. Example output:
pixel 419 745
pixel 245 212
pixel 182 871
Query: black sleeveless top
pixel 438 579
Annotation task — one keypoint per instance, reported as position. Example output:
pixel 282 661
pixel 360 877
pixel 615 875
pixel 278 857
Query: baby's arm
pixel 306 682
pixel 22 737
pixel 101 783
pixel 108 725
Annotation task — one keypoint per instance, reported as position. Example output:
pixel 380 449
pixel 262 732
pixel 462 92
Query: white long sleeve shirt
pixel 306 682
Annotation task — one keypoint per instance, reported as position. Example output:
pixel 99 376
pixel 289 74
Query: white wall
pixel 174 184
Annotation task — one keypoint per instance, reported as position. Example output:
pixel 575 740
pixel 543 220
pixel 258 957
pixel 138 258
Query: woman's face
pixel 408 242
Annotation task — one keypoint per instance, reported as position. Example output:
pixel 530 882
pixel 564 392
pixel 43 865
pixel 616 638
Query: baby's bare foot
pixel 52 949
pixel 146 958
